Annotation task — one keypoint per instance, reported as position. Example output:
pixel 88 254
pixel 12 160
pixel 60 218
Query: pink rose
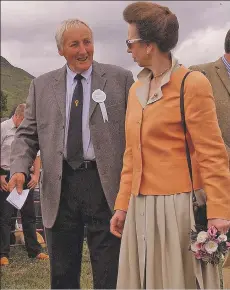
pixel 196 247
pixel 212 231
pixel 198 255
pixel 228 245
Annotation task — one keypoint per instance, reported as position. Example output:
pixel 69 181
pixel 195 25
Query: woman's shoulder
pixel 195 80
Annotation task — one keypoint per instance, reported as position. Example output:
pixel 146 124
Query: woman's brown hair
pixel 155 23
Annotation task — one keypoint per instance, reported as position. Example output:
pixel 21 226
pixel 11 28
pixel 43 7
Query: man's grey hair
pixel 20 110
pixel 65 25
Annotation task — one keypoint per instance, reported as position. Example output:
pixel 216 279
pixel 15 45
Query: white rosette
pixel 99 97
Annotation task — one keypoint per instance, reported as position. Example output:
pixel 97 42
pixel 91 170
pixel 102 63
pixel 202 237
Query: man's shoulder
pixel 112 68
pixel 5 124
pixel 203 67
pixel 49 75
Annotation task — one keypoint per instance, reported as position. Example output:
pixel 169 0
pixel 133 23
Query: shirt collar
pixel 146 74
pixel 86 74
pixel 226 63
pixel 145 77
pixel 11 122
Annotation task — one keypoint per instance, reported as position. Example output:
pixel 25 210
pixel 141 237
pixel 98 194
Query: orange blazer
pixel 155 162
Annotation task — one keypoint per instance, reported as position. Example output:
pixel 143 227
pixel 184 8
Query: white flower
pixel 222 238
pixel 202 237
pixel 195 247
pixel 210 247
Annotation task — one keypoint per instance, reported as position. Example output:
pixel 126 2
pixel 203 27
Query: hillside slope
pixel 15 83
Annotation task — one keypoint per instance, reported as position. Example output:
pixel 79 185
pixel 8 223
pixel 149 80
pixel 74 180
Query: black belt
pixel 4 172
pixel 87 164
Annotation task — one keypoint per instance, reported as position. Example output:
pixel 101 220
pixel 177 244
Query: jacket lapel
pixel 142 93
pixel 60 90
pixel 222 73
pixel 98 82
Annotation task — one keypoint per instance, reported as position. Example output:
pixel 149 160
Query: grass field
pixel 25 273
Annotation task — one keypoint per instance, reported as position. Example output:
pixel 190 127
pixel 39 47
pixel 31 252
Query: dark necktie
pixel 74 138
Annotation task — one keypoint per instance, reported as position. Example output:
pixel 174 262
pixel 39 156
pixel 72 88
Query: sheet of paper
pixel 17 200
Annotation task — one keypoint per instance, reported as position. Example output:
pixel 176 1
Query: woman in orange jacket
pixel 154 203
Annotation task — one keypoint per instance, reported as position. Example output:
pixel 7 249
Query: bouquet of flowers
pixel 209 246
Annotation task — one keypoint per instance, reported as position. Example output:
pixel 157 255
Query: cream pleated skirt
pixel 154 248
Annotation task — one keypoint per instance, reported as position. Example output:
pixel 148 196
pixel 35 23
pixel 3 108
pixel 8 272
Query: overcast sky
pixel 28 29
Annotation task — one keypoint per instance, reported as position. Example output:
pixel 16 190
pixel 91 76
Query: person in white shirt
pixel 34 249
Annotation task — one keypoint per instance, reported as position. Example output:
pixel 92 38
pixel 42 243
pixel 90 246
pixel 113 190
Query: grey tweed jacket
pixel 217 74
pixel 44 125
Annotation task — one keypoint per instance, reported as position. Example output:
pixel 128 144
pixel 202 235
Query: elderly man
pixel 34 249
pixel 76 115
pixel 218 73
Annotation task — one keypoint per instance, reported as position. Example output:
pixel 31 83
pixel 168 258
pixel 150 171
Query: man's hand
pixel 3 183
pixel 17 180
pixel 221 225
pixel 117 223
pixel 33 182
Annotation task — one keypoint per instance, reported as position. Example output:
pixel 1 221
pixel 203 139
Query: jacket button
pixel 59 177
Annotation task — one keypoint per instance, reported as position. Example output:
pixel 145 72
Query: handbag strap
pixel 182 111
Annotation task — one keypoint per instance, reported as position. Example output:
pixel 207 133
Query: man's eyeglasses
pixel 129 42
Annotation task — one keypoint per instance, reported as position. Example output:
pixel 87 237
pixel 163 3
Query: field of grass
pixel 25 273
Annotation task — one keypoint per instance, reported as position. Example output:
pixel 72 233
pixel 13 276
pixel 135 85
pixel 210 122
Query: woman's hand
pixel 221 225
pixel 117 223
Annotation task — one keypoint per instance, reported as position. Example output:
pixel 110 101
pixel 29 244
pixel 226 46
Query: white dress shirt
pixel 88 151
pixel 8 130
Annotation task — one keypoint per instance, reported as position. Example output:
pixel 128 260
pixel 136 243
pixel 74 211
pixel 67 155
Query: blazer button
pixel 59 177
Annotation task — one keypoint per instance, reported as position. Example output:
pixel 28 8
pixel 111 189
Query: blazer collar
pixel 144 78
pixel 98 82
pixel 222 73
pixel 60 89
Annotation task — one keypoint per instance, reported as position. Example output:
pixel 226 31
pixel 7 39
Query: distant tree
pixel 3 104
pixel 12 112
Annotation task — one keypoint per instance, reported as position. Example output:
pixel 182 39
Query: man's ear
pixel 60 51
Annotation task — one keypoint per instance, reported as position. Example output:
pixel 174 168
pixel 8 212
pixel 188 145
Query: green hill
pixel 15 83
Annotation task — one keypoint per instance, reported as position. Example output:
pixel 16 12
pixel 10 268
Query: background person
pixel 218 73
pixel 34 249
